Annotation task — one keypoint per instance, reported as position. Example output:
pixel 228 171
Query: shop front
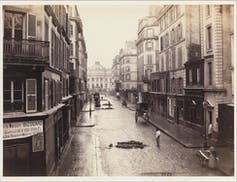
pixel 23 147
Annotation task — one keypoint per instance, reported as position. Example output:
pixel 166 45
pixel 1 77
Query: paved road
pixel 89 153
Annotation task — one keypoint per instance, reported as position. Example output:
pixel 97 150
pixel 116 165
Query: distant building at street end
pixel 128 71
pixel 99 78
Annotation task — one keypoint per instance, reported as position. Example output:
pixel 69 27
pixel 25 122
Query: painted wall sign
pixel 21 129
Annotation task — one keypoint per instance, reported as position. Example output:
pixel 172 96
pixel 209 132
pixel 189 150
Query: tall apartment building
pixel 36 98
pixel 78 62
pixel 99 78
pixel 116 74
pixel 128 71
pixel 179 41
pixel 147 51
pixel 193 84
pixel 217 32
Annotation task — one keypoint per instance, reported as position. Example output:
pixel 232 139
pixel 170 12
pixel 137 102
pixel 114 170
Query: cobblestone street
pixel 89 153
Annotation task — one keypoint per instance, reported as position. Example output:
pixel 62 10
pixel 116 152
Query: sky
pixel 107 27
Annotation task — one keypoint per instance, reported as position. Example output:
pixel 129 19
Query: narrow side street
pixel 89 153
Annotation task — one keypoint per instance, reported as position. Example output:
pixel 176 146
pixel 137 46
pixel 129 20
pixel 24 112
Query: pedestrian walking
pixel 209 132
pixel 158 137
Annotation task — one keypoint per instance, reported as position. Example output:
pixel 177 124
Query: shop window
pixel 13 95
pixel 31 95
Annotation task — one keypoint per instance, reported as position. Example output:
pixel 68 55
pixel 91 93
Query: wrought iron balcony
pixel 25 50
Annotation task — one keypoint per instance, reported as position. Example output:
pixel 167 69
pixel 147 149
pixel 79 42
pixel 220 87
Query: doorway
pixel 16 160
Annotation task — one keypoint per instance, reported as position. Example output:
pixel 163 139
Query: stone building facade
pixel 78 62
pixel 194 76
pixel 37 99
pixel 99 79
pixel 147 52
pixel 116 74
pixel 128 71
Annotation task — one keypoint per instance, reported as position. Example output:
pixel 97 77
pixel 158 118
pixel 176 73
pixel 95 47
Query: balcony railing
pixel 33 49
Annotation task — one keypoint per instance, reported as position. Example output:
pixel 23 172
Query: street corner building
pixel 38 75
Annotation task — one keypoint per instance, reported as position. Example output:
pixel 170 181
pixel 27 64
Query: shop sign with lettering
pixel 14 130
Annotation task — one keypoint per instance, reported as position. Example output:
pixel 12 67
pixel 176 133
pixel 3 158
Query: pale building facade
pixel 147 49
pixel 116 74
pixel 128 71
pixel 217 52
pixel 99 78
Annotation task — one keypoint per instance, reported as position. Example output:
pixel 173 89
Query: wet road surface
pixel 89 154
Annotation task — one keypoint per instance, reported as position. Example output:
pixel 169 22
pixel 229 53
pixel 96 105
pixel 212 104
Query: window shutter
pixel 31 95
pixel 31 25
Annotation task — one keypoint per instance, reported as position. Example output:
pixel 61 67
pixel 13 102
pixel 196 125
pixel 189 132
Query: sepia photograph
pixel 118 91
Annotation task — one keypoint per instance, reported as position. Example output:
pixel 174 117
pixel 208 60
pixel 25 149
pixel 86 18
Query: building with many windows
pixel 36 99
pixel 99 79
pixel 147 52
pixel 78 62
pixel 209 80
pixel 179 41
pixel 128 71
pixel 193 84
pixel 116 74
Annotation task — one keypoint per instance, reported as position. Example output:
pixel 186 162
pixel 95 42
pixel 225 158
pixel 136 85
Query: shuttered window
pixel 31 95
pixel 31 25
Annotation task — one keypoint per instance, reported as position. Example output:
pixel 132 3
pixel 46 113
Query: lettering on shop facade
pixel 14 130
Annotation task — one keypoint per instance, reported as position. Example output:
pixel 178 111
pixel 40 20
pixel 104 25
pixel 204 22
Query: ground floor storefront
pixel 33 143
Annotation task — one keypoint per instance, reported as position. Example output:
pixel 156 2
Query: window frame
pixel 209 38
pixel 27 110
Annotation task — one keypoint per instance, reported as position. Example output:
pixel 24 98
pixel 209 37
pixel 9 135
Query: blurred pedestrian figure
pixel 118 95
pixel 158 137
pixel 209 132
pixel 213 158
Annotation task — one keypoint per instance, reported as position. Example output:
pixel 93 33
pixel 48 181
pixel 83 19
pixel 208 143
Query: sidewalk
pixel 86 119
pixel 191 138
